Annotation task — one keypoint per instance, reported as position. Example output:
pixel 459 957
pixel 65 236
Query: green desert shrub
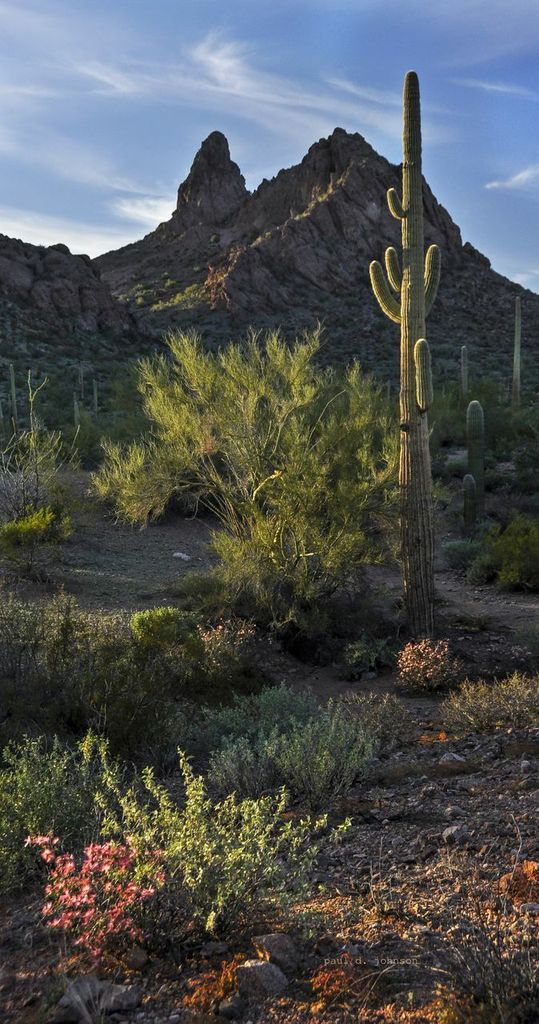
pixel 460 553
pixel 383 716
pixel 165 626
pixel 275 709
pixel 316 760
pixel 72 670
pixel 225 862
pixel 48 789
pixel 481 707
pixel 510 555
pixel 368 654
pixel 516 553
pixel 27 543
pixel 297 464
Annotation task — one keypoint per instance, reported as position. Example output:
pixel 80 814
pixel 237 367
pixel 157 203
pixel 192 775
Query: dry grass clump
pixel 482 707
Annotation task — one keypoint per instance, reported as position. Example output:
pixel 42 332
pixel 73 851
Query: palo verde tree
pixel 407 300
pixel 295 463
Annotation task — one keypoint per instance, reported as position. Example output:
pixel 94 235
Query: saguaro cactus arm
pixel 423 374
pixel 387 302
pixel 394 204
pixel 393 269
pixel 433 265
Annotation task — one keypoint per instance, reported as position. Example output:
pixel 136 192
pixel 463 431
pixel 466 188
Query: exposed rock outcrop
pixel 57 293
pixel 297 250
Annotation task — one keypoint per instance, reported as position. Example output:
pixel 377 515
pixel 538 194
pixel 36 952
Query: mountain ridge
pixel 296 250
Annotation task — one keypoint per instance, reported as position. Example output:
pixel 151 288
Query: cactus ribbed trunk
pixel 415 287
pixel 417 532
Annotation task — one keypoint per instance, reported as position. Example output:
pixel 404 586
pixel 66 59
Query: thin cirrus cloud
pixel 506 88
pixel 224 76
pixel 145 210
pixel 523 180
pixel 42 229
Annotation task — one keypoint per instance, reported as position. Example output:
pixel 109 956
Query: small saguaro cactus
pixel 475 433
pixel 406 298
pixel 76 411
pixel 464 381
pixel 515 396
pixel 469 509
pixel 13 399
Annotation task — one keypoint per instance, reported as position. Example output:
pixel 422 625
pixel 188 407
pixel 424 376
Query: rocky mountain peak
pixel 214 188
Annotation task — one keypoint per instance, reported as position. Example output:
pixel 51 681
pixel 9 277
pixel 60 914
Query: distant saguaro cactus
pixel 76 411
pixel 475 433
pixel 13 393
pixel 515 396
pixel 95 402
pixel 413 292
pixel 469 494
pixel 464 380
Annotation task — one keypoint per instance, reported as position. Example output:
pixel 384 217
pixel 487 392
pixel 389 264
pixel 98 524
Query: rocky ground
pixel 436 826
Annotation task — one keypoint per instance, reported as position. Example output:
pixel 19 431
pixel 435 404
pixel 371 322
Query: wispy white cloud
pixel 225 76
pixel 81 237
pixel 507 88
pixel 528 279
pixel 145 210
pixel 522 180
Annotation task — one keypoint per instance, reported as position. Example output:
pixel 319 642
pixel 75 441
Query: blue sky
pixel 103 104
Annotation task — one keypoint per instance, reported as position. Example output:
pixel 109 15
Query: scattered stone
pixel 88 995
pixel 525 767
pixel 279 949
pixel 214 948
pixel 529 908
pixel 232 1008
pixel 136 958
pixel 454 835
pixel 449 757
pixel 258 979
pixel 8 979
pixel 182 555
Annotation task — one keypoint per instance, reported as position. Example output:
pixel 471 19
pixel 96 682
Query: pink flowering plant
pixel 97 904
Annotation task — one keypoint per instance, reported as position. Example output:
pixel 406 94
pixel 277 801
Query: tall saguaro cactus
pixel 515 397
pixel 406 300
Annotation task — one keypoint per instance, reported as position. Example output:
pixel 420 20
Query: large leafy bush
pixel 297 463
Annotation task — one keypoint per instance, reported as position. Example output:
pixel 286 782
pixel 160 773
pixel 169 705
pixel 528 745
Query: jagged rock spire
pixel 214 188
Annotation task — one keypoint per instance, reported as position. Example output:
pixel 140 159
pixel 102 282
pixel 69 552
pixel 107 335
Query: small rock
pixel 214 948
pixel 136 958
pixel 259 978
pixel 232 1008
pixel 8 979
pixel 450 757
pixel 89 994
pixel 529 908
pixel 525 767
pixel 279 949
pixel 182 555
pixel 454 812
pixel 454 834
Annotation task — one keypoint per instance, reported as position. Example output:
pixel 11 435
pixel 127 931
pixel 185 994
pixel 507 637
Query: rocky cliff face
pixel 49 294
pixel 297 250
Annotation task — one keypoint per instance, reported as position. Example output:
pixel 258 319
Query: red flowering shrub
pixel 427 665
pixel 97 904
